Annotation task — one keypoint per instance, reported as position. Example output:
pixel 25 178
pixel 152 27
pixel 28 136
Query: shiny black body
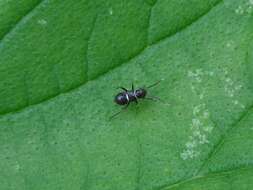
pixel 128 96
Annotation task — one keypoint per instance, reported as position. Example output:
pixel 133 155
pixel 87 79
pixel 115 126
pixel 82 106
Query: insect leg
pixel 122 88
pixel 124 108
pixel 152 85
pixel 136 101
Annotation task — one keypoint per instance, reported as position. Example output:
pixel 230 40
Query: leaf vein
pixel 20 20
pixel 127 61
pixel 86 68
pixel 214 174
pixel 139 161
pixel 223 137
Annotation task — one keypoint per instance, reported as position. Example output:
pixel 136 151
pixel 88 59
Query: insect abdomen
pixel 121 99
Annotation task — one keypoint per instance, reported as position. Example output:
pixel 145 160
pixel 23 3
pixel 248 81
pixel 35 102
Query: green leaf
pixel 60 62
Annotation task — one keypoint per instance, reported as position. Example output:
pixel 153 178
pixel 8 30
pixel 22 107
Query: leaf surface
pixel 60 62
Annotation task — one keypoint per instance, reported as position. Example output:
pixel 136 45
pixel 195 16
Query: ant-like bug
pixel 128 96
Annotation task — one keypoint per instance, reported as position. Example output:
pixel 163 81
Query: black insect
pixel 128 96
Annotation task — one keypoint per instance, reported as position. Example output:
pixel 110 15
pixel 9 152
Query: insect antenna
pixel 156 99
pixel 152 85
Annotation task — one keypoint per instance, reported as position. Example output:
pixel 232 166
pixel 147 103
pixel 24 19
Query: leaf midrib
pixel 217 146
pixel 104 73
pixel 214 174
pixel 223 137
pixel 14 26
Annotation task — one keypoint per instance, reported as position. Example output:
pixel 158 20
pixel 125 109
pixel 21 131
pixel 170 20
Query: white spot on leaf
pixel 196 75
pixel 199 131
pixel 206 114
pixel 42 22
pixel 110 11
pixel 243 7
pixel 201 96
pixel 232 89
pixel 239 10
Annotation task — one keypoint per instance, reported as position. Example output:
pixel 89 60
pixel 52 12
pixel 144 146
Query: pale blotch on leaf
pixel 196 75
pixel 191 145
pixel 230 45
pixel 193 88
pixel 189 154
pixel 236 102
pixel 206 114
pixel 17 166
pixel 201 96
pixel 110 11
pixel 196 110
pixel 211 73
pixel 250 6
pixel 199 132
pixel 42 22
pixel 232 89
pixel 245 7
pixel 208 128
pixel 239 10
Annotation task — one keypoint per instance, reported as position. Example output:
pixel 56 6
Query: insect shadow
pixel 126 97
